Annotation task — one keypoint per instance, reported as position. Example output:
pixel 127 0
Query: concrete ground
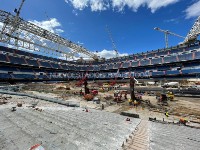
pixel 60 127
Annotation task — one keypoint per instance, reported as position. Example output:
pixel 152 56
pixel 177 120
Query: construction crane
pixel 111 39
pixel 166 32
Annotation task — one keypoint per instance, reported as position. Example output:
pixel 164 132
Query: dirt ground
pixel 180 107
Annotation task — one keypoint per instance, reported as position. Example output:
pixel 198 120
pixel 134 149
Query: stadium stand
pixel 18 64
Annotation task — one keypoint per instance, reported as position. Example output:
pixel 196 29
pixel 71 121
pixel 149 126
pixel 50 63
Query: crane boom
pixel 166 32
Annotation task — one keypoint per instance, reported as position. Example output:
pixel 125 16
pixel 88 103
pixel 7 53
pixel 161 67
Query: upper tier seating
pixel 32 62
pixel 145 62
pixel 172 72
pixel 5 76
pixel 23 76
pixel 110 66
pixel 45 64
pixel 185 57
pixel 6 49
pixel 3 58
pixel 170 59
pixel 17 60
pixel 197 55
pixel 134 63
pixel 55 66
pixel 162 53
pixel 125 64
pixel 8 68
pixel 191 71
pixel 156 61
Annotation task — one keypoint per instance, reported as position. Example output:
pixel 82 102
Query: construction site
pixel 145 101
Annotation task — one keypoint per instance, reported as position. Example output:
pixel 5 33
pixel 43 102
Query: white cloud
pixel 156 4
pixel 119 5
pixel 102 54
pixel 98 5
pixel 51 25
pixel 193 10
pixel 109 54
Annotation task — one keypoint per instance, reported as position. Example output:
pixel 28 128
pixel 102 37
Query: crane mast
pixel 112 41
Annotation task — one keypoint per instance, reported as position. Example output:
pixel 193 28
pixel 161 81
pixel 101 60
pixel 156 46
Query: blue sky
pixel 130 22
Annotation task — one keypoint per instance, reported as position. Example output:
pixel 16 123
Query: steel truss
pixel 26 35
pixel 194 32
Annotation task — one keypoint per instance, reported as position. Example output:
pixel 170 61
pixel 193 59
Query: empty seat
pixel 191 71
pixel 45 64
pixel 65 67
pixel 17 60
pixel 170 59
pixel 8 68
pixel 158 73
pixel 126 64
pixel 162 53
pixel 172 72
pixel 83 68
pixel 24 76
pixel 197 55
pixel 156 61
pixel 134 64
pixel 90 68
pixel 150 55
pixel 54 65
pixel 96 68
pixel 5 76
pixel 6 49
pixel 42 77
pixel 25 70
pixel 185 57
pixel 32 62
pixel 3 58
pixel 21 53
pixel 71 67
pixel 110 66
pixel 140 57
pixel 163 68
pixel 144 62
pixel 117 65
pixel 175 51
pixel 102 67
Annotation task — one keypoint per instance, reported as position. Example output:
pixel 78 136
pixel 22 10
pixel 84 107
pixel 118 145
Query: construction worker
pixel 102 106
pixel 81 92
pixel 183 121
pixel 167 114
pixel 130 101
pixel 125 96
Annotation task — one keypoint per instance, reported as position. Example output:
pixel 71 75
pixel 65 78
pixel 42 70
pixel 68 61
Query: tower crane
pixel 111 39
pixel 166 32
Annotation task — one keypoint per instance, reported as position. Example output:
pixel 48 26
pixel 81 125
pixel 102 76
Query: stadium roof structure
pixel 26 35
